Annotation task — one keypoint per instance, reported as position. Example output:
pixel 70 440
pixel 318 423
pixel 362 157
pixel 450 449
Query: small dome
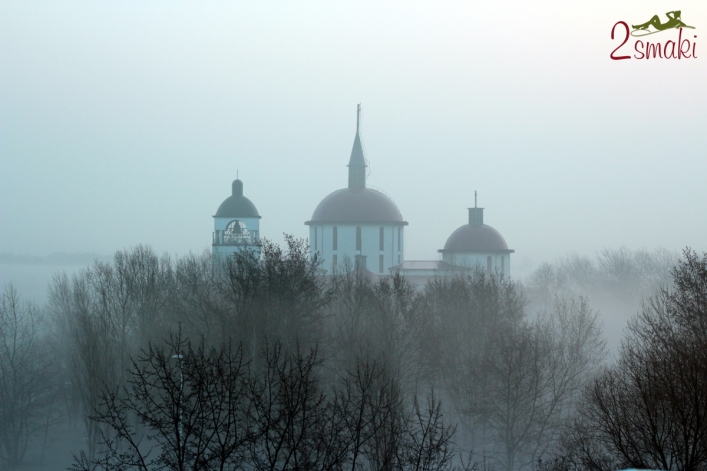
pixel 475 238
pixel 359 206
pixel 237 205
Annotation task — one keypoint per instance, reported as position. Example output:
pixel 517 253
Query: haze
pixel 125 123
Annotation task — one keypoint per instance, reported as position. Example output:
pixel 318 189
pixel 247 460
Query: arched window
pixel 236 233
pixel 488 264
pixel 382 235
pixel 358 238
pixel 336 238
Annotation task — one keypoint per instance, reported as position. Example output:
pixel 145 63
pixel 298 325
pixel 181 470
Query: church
pixel 361 228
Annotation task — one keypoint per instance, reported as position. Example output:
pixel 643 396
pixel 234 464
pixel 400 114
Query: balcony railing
pixel 243 237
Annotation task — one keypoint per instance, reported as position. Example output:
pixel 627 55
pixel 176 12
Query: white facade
pixel 382 245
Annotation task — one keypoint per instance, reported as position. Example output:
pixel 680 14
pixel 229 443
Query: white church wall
pixel 321 239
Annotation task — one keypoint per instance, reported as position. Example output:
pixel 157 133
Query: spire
pixel 357 164
pixel 476 214
pixel 358 117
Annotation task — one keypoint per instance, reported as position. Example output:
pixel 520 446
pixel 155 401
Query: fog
pixel 125 123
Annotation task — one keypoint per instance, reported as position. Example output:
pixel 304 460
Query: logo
pixel 680 47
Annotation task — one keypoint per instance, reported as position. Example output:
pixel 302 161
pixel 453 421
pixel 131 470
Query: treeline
pixel 211 408
pixel 616 274
pixel 265 364
pixel 649 409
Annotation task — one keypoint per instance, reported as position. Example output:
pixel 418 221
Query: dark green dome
pixel 237 205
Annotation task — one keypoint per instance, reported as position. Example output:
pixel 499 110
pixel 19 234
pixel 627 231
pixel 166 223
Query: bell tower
pixel 236 225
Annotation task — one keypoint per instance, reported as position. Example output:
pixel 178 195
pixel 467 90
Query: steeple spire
pixel 358 117
pixel 357 164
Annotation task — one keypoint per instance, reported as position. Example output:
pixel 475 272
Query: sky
pixel 124 123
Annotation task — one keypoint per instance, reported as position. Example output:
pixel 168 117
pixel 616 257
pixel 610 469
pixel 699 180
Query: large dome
pixel 476 238
pixel 357 206
pixel 237 205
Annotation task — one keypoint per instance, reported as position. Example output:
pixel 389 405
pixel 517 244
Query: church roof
pixel 364 206
pixel 476 236
pixel 237 205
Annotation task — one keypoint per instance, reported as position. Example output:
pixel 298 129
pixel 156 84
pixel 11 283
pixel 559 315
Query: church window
pixel 236 233
pixel 488 264
pixel 315 237
pixel 336 240
pixel 380 264
pixel 399 238
pixel 382 234
pixel 358 238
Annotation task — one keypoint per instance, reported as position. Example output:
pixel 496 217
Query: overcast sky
pixel 125 122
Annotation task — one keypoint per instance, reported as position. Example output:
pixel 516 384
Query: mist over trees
pixel 649 409
pixel 262 363
pixel 613 274
pixel 614 282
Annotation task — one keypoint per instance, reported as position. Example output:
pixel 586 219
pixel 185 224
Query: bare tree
pixel 428 445
pixel 102 316
pixel 195 301
pixel 278 296
pixel 650 409
pixel 28 386
pixel 531 376
pixel 182 408
pixel 460 313
pixel 85 331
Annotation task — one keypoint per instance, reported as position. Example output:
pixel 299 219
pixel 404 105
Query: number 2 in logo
pixel 619 47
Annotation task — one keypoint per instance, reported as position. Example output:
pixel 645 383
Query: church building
pixel 236 225
pixel 358 224
pixel 358 227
